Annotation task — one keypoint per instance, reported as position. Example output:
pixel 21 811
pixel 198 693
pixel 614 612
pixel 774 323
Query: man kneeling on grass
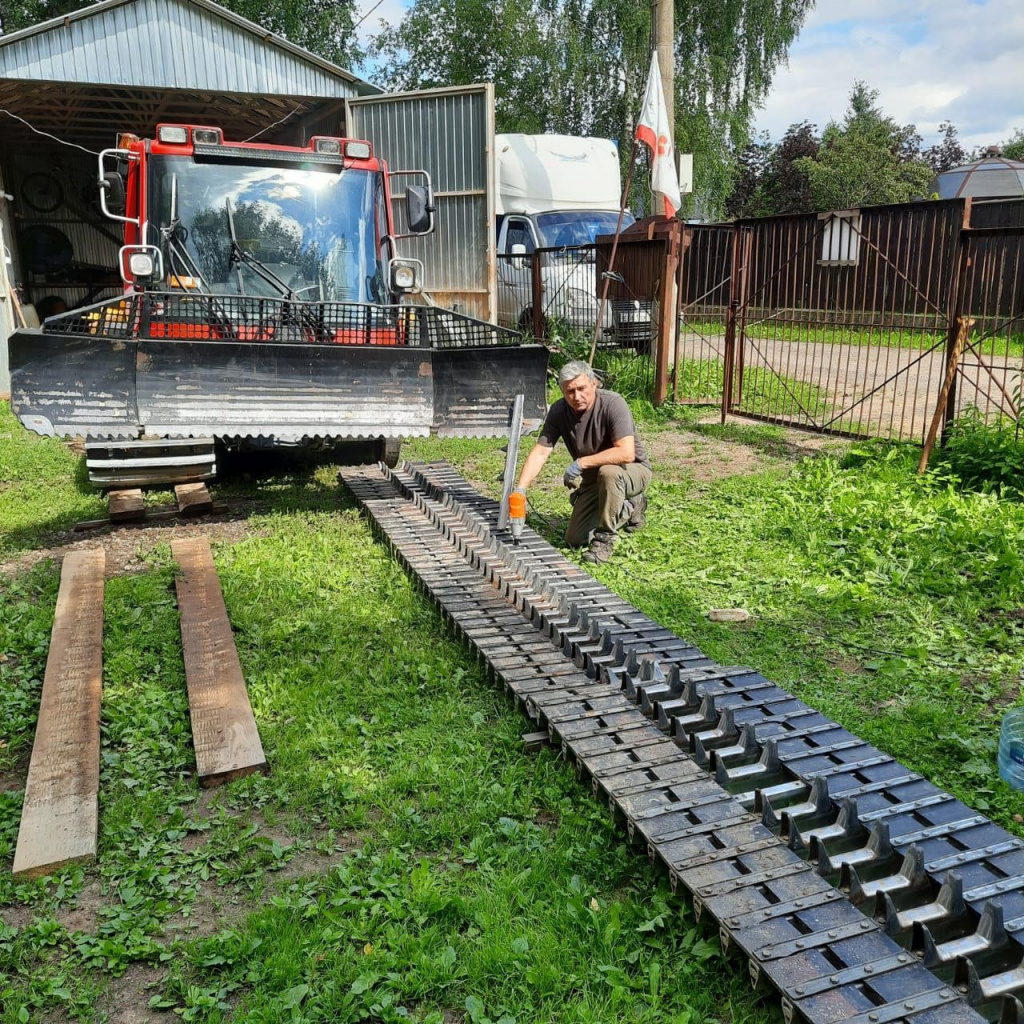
pixel 609 472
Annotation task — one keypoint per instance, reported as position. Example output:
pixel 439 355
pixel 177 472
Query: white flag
pixel 653 130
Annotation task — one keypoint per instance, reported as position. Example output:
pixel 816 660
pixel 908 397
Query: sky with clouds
pixel 930 60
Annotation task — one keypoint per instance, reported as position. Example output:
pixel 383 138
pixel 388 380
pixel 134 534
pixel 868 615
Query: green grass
pixel 43 487
pixel 632 375
pixel 404 859
pixel 986 456
pixel 1008 346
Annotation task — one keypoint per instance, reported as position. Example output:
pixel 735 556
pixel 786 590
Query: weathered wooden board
pixel 193 499
pixel 224 731
pixel 125 505
pixel 59 818
pixel 153 514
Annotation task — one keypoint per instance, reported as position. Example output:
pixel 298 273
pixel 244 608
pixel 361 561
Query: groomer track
pixel 855 887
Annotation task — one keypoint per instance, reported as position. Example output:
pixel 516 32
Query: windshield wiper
pixel 171 235
pixel 239 256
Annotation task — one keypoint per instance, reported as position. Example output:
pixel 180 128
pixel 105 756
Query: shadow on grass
pixel 81 478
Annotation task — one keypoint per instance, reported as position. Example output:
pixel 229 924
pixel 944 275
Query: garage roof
pixel 170 44
pixel 128 65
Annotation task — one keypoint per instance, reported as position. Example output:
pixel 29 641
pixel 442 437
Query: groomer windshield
pixel 235 228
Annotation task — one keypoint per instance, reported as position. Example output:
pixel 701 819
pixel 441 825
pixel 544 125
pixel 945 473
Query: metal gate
pixel 450 134
pixel 990 312
pixel 704 290
pixel 840 322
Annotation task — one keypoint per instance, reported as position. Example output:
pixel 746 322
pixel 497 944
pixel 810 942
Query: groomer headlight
pixel 174 134
pixel 330 146
pixel 207 136
pixel 358 150
pixel 141 264
pixel 403 278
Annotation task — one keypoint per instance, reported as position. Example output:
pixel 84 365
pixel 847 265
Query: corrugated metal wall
pixel 450 134
pixel 167 43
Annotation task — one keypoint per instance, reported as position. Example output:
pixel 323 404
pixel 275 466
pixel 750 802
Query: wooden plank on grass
pixel 60 812
pixel 223 728
pixel 193 499
pixel 127 504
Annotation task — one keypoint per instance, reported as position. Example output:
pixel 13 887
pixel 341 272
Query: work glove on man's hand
pixel 573 475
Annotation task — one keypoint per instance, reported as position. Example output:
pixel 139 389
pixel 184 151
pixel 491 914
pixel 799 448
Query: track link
pixel 853 886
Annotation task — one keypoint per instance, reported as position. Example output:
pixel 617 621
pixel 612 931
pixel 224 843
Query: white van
pixel 559 192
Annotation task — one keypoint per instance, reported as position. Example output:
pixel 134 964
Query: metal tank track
pixel 856 888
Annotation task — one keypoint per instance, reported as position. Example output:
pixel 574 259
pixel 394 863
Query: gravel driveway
pixel 876 390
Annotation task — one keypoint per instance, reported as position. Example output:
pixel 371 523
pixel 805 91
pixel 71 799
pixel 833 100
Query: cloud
pixel 930 60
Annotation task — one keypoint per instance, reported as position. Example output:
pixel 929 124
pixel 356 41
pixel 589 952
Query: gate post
pixel 666 314
pixel 685 240
pixel 731 315
pixel 537 297
pixel 743 249
pixel 729 358
pixel 958 274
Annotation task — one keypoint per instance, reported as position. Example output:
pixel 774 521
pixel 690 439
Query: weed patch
pixel 44 487
pixel 404 859
pixel 983 456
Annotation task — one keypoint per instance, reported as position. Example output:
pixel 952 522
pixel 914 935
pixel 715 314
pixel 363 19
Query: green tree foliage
pixel 948 153
pixel 866 159
pixel 775 180
pixel 19 14
pixel 1013 147
pixel 323 26
pixel 580 66
pixel 752 163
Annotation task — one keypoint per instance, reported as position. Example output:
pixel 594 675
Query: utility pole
pixel 667 338
pixel 663 23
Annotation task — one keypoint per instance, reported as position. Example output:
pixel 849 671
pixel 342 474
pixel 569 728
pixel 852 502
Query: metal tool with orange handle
pixel 517 514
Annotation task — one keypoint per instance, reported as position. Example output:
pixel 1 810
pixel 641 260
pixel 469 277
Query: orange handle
pixel 516 506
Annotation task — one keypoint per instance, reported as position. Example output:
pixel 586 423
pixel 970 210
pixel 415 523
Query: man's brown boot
pixel 600 550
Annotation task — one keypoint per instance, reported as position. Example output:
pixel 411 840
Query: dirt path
pixel 126 544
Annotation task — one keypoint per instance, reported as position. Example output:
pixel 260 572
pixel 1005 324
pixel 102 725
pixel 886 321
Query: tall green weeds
pixel 984 456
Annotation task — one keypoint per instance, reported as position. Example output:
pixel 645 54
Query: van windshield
pixel 578 227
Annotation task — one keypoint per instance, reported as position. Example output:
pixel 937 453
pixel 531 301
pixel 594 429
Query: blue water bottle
pixel 1011 748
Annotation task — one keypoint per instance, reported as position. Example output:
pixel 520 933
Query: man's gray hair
pixel 575 368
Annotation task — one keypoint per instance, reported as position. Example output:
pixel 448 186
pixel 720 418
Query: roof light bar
pixel 207 136
pixel 174 134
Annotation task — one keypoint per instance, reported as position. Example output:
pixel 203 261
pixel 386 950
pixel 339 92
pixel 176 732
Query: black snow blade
pixel 458 381
pixel 73 387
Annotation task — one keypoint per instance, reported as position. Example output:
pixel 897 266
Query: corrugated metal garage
pixel 126 65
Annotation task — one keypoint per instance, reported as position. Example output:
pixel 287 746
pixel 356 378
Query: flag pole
pixel 615 249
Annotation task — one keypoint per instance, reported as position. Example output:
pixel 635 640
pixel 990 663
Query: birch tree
pixel 579 67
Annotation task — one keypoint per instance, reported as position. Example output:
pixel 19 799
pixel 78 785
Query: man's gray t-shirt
pixel 608 420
